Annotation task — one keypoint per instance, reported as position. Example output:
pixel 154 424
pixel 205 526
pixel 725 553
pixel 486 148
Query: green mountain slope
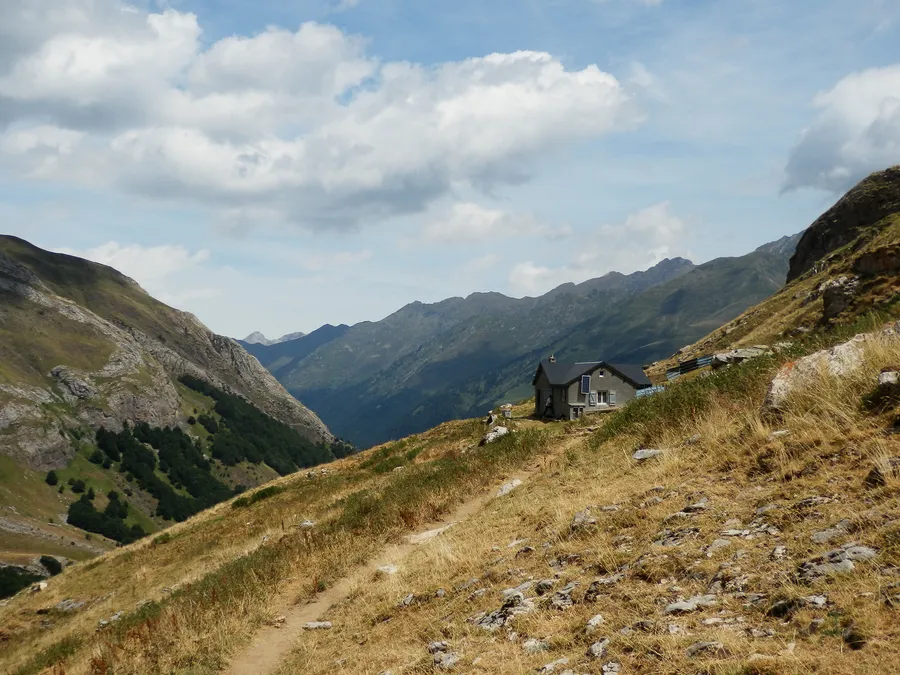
pixel 84 349
pixel 429 363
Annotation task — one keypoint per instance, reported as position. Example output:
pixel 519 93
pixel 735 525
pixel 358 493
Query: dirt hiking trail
pixel 271 645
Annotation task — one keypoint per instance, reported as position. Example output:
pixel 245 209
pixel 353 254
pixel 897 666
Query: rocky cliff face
pixel 112 358
pixel 873 199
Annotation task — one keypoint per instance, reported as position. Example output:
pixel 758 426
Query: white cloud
pixel 305 124
pixel 143 264
pixel 322 261
pixel 158 269
pixel 642 240
pixel 482 263
pixel 857 131
pixel 466 222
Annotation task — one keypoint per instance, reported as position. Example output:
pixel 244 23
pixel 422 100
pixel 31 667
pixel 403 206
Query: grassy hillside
pixel 635 553
pixel 84 351
pixel 864 273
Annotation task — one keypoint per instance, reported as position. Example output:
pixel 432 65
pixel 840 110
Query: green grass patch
pixel 683 401
pixel 53 655
pixel 258 496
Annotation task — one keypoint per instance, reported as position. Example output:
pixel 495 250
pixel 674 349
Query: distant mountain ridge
pixel 427 363
pixel 257 338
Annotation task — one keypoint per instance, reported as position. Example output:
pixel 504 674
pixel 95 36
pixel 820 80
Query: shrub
pixel 258 496
pixel 14 579
pixel 78 485
pixel 51 478
pixel 192 420
pixel 51 564
pixel 96 457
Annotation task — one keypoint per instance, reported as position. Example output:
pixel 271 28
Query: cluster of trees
pixel 238 432
pixel 14 579
pixel 182 459
pixel 109 522
pixel 179 457
pixel 246 433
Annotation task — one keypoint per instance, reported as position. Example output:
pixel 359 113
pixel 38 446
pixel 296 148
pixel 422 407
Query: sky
pixel 277 165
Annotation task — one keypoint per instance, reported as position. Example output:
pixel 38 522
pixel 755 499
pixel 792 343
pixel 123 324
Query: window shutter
pixel 612 397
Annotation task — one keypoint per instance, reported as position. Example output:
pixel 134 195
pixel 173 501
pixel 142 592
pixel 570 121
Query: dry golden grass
pixel 214 580
pixel 739 467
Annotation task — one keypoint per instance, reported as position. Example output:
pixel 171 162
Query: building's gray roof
pixel 563 373
pixel 632 372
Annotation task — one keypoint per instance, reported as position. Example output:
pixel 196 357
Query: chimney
pixel 552 359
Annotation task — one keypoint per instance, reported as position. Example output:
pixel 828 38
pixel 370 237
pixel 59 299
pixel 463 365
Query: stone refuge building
pixel 568 390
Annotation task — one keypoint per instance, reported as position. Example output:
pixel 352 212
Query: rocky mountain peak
pixel 870 201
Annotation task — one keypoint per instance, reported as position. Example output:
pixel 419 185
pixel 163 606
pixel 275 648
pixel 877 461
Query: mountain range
pixel 427 363
pixel 257 338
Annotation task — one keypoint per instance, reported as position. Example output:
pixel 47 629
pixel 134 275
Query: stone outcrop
pixel 838 361
pixel 873 199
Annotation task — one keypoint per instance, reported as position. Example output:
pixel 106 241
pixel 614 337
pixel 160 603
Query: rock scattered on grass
pixel 544 586
pixel 318 625
pixel 878 476
pixel 838 561
pixel 598 585
pixel 598 649
pixel 442 657
pixel 834 532
pixel 778 553
pixel 494 435
pixel 513 605
pixel 646 453
pixel 582 520
pixel 553 665
pixel 562 599
pixel 68 605
pixel 113 619
pixel 508 487
pixel 594 623
pixel 691 604
pixel 706 649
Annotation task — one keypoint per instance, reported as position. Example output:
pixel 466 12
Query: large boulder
pixel 838 361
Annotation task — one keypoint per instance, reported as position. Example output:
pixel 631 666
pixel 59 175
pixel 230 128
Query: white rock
pixel 494 434
pixel 598 649
pixel 838 361
pixel 318 625
pixel 691 604
pixel 508 487
pixel 594 623
pixel 646 453
pixel 889 377
pixel 387 570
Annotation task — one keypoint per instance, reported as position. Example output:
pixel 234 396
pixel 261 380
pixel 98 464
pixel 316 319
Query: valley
pixel 741 520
